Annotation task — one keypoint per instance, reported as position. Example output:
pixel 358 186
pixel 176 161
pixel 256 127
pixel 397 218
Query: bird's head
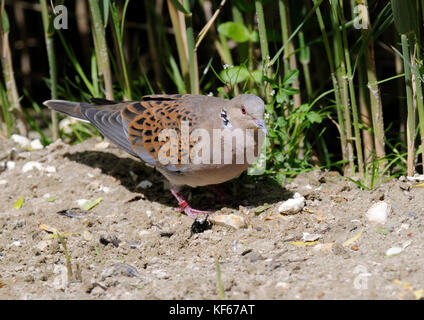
pixel 247 111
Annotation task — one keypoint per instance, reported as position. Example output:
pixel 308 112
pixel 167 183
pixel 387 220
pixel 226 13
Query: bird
pixel 155 130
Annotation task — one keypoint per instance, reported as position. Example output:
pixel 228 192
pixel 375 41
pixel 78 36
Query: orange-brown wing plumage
pixel 136 126
pixel 146 120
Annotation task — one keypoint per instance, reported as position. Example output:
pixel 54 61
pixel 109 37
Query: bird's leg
pixel 183 206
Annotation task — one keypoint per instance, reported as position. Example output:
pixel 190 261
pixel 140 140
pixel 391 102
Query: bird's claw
pixel 189 211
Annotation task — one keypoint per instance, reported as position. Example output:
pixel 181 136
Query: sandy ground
pixel 133 245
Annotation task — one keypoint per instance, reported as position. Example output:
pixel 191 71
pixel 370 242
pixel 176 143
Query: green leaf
pixel 179 6
pixel 257 76
pixel 290 77
pixel 5 22
pixel 290 91
pixel 235 31
pixel 104 9
pixel 234 74
pixel 314 117
pixel 91 204
pixel 18 204
pixel 239 74
pixel 405 15
pixel 281 98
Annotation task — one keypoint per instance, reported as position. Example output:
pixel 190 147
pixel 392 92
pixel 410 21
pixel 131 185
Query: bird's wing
pixel 145 121
pixel 136 126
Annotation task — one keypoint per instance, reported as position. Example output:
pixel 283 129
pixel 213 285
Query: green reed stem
pixel 192 54
pixel 419 98
pixel 119 33
pixel 337 96
pixel 282 5
pixel 375 96
pixel 8 73
pixel 264 45
pixel 101 47
pixel 409 99
pixel 343 85
pixel 356 125
pixel 48 35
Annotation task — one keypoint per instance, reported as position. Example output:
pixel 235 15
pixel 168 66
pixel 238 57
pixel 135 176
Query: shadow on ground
pixel 243 191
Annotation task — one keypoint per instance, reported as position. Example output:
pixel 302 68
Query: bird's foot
pixel 192 213
pixel 184 207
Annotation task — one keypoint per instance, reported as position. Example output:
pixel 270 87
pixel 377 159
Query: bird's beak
pixel 261 125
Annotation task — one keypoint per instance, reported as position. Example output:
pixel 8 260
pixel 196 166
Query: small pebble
pixel 21 140
pixel 231 220
pixel 412 215
pixel 110 239
pixel 87 236
pixel 292 206
pixel 73 213
pixel 134 244
pixel 253 257
pixel 102 145
pixel 42 245
pixel 393 251
pixel 282 285
pixel 311 237
pixel 10 165
pixel 31 165
pixel 120 269
pixel 36 144
pixel 145 184
pixel 378 212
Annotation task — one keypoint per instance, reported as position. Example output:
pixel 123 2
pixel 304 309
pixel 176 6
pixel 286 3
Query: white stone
pixel 10 165
pixel 282 285
pixel 32 165
pixel 42 245
pixel 66 125
pixel 102 145
pixel 311 237
pixel 60 282
pixel 379 212
pixel 105 189
pixel 145 184
pixel 230 220
pixel 292 206
pixel 393 251
pixel 144 233
pixel 36 145
pixel 16 243
pixel 21 140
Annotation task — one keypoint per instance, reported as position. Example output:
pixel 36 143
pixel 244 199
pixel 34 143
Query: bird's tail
pixel 67 107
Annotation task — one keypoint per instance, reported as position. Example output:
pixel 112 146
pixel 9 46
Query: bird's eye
pixel 243 110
